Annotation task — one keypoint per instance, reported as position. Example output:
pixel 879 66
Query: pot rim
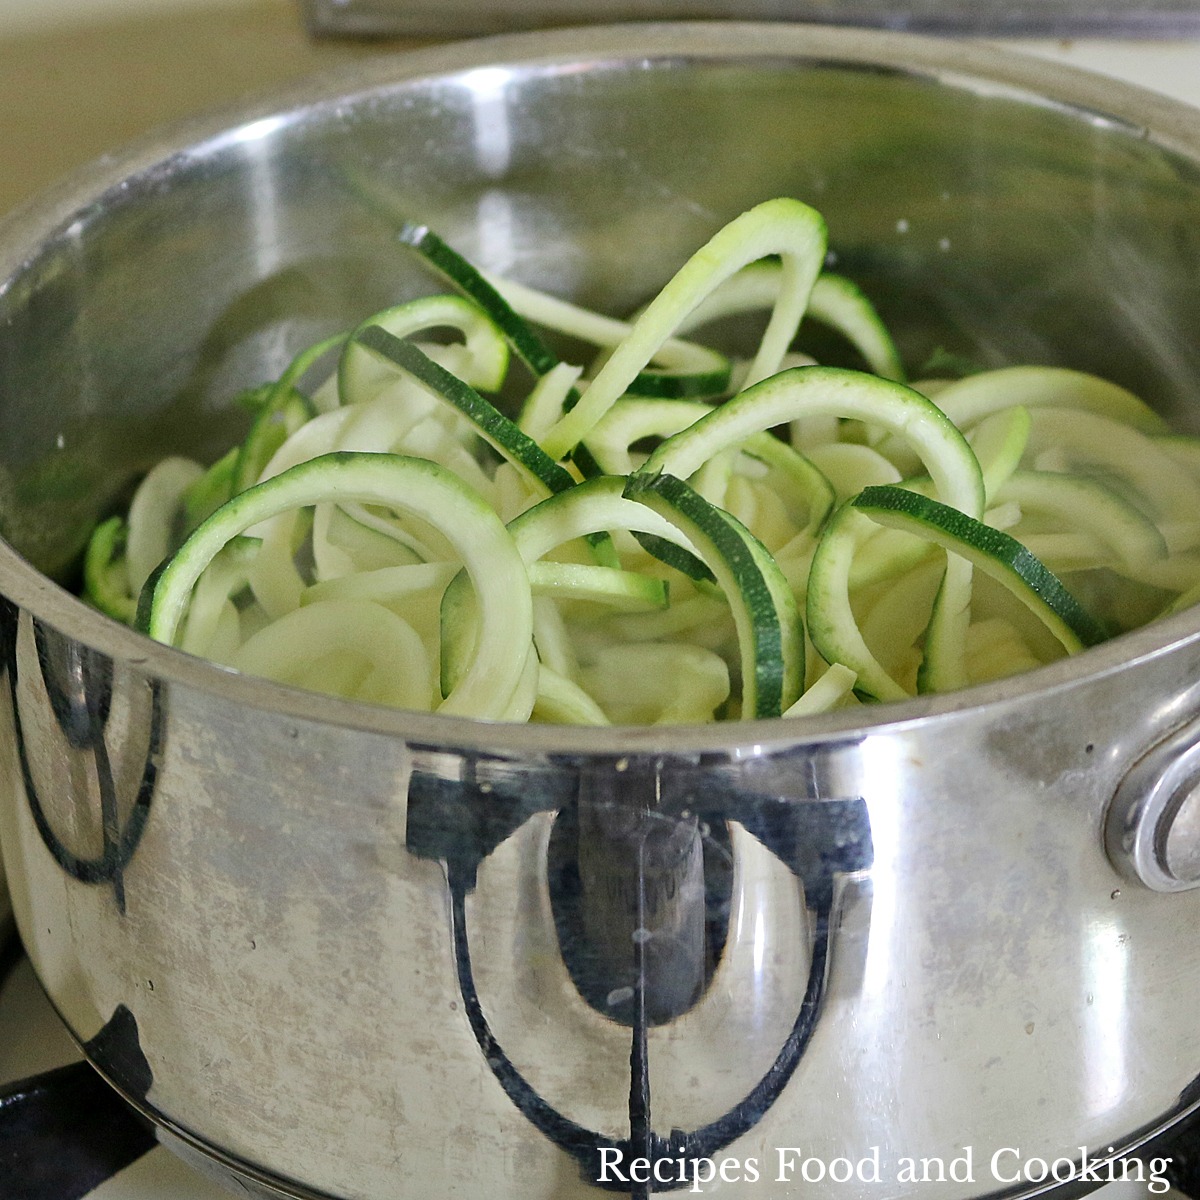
pixel 970 65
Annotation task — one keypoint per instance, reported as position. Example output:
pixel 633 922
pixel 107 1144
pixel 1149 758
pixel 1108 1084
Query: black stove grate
pixel 65 1132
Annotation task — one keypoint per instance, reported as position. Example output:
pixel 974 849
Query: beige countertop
pixel 81 77
pixel 69 91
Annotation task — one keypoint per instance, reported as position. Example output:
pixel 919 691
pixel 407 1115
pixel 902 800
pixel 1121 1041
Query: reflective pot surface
pixel 357 953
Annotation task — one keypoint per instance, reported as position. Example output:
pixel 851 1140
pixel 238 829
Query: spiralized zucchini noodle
pixel 663 534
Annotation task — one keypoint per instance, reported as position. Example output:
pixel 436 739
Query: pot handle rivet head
pixel 1152 828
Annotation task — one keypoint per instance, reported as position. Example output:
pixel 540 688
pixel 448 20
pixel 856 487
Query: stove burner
pixel 65 1132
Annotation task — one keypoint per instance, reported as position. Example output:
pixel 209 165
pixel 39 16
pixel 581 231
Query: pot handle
pixel 1152 827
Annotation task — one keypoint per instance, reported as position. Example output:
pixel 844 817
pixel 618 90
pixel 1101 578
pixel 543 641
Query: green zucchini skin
pixel 782 226
pixel 494 427
pixel 991 550
pixel 440 255
pixel 762 603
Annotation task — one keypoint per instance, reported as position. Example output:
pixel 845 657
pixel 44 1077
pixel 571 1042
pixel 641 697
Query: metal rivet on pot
pixel 1152 830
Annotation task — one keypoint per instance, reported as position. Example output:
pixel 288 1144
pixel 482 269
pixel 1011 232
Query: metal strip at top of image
pixel 1153 19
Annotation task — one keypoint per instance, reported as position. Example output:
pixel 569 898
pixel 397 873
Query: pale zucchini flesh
pixel 523 565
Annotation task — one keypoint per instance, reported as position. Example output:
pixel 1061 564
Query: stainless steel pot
pixel 350 952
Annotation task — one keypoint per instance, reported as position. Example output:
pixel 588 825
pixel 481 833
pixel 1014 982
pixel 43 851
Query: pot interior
pixel 990 226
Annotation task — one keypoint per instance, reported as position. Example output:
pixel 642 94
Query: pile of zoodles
pixel 664 534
